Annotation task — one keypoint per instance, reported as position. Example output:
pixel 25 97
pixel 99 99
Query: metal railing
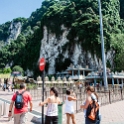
pixel 3 107
pixel 109 97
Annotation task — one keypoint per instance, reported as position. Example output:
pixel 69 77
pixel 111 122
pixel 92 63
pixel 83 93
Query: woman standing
pixel 69 106
pixel 91 96
pixel 52 109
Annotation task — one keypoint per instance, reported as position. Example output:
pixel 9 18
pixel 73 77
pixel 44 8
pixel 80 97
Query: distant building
pixel 91 76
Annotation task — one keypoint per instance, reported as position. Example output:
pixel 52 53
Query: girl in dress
pixel 69 106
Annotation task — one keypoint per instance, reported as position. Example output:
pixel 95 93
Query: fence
pixel 3 108
pixel 111 96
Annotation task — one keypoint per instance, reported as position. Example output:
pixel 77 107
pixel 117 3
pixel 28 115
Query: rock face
pixel 52 47
pixel 15 30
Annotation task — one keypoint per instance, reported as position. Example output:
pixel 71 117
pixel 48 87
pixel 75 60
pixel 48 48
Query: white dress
pixel 69 106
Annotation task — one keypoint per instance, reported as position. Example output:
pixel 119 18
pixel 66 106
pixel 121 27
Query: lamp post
pixel 102 47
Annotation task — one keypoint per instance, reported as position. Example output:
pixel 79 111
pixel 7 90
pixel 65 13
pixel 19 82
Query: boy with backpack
pixel 20 99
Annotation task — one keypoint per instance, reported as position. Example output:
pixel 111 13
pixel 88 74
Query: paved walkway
pixel 111 114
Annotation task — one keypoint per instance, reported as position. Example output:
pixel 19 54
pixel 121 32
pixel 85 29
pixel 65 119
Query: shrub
pixel 7 70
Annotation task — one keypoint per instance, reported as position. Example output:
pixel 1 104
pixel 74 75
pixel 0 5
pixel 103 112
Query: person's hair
pixel 92 89
pixel 68 92
pixel 22 86
pixel 54 90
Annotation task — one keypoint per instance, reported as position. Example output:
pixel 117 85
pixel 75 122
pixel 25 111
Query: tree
pixel 122 9
pixel 18 68
pixel 117 43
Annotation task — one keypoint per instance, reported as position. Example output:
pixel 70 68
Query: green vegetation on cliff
pixel 4 32
pixel 81 16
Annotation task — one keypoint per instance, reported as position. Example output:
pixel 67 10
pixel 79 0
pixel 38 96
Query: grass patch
pixel 4 75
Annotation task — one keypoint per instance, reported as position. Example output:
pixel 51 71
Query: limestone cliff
pixel 15 30
pixel 52 47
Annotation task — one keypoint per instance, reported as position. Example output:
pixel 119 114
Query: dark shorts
pixel 87 121
pixel 51 120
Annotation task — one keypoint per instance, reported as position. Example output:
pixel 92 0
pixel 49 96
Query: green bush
pixel 7 70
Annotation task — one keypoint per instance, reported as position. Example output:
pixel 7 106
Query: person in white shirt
pixel 69 106
pixel 52 109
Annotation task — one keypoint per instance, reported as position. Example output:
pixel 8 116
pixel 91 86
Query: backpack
pixel 19 102
pixel 93 111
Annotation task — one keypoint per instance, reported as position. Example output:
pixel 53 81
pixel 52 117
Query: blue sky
pixel 10 9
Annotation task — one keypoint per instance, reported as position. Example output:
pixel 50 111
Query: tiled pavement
pixel 111 114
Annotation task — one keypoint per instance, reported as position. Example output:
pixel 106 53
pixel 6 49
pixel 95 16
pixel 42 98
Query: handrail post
pixel 0 109
pixel 4 108
pixel 109 97
pixel 121 94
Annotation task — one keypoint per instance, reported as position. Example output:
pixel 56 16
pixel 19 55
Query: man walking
pixel 21 99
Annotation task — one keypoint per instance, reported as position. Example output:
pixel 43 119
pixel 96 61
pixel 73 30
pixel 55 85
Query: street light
pixel 102 47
